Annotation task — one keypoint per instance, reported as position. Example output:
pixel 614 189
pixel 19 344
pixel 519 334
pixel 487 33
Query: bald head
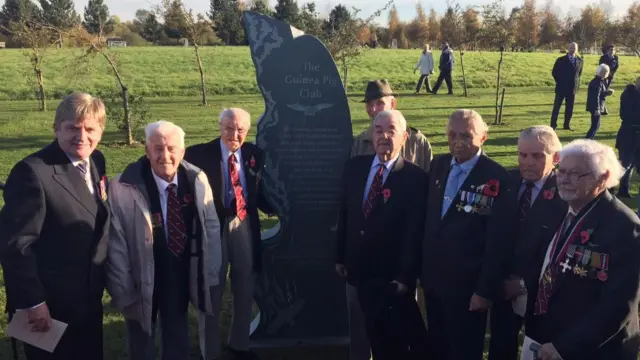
pixel 234 127
pixel 466 132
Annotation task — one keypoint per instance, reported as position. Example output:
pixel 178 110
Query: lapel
pixel 541 202
pixel 71 181
pixel 217 172
pixel 392 178
pixel 476 177
pixel 249 171
pixel 441 175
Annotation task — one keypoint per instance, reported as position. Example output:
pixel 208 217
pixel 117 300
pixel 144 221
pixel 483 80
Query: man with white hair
pixel 378 236
pixel 233 168
pixel 540 209
pixel 566 73
pixel 164 245
pixel 595 98
pixel 469 223
pixel 586 303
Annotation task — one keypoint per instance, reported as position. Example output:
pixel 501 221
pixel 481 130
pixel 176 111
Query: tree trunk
pixel 498 88
pixel 37 63
pixel 345 71
pixel 125 98
pixel 464 78
pixel 201 69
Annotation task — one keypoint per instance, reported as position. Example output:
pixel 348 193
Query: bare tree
pixel 628 30
pixel 35 38
pixel 97 46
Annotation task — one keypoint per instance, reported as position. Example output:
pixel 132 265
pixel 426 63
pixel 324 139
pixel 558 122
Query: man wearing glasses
pixel 586 302
pixel 233 170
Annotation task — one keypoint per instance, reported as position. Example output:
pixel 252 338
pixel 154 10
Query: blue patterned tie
pixel 451 189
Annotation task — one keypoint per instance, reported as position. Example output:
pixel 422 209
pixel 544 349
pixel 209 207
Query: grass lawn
pixel 24 130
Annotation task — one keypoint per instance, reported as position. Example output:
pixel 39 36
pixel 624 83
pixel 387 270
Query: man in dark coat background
pixel 610 59
pixel 540 210
pixel 54 235
pixel 566 73
pixel 446 67
pixel 470 222
pixel 586 304
pixel 627 138
pixel 378 239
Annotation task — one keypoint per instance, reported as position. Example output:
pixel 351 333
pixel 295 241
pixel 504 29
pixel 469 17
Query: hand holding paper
pixel 22 328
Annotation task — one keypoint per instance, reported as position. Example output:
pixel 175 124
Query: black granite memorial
pixel 306 135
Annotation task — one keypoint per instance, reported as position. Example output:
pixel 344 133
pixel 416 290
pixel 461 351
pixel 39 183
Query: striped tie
pixel 374 190
pixel 82 167
pixel 525 200
pixel 175 223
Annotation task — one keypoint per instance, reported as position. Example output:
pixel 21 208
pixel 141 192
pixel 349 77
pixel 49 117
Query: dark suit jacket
pixel 537 229
pixel 597 92
pixel 630 115
pixel 591 319
pixel 53 236
pixel 566 75
pixel 611 61
pixel 208 157
pixel 446 60
pixel 465 253
pixel 385 245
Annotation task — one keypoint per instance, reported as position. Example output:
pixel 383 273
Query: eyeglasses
pixel 573 176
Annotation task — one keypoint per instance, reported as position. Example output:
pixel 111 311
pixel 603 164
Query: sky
pixel 126 9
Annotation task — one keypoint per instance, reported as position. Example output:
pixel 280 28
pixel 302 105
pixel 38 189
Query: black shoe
pixel 568 128
pixel 604 113
pixel 243 354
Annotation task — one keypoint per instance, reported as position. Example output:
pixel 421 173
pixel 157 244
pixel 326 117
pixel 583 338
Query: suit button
pixel 361 232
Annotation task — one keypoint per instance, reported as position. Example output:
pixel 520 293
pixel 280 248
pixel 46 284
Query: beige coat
pixel 130 261
pixel 417 149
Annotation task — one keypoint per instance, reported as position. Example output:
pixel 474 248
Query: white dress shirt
pixel 163 191
pixel 388 166
pixel 228 188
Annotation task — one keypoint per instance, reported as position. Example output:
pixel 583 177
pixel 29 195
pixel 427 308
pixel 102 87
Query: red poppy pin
pixel 602 275
pixel 103 188
pixel 386 194
pixel 549 194
pixel 492 188
pixel 188 199
pixel 585 235
pixel 252 162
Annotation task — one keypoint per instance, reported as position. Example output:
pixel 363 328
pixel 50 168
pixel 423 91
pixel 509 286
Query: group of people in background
pixel 546 246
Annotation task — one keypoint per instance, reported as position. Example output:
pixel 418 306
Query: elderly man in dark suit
pixel 54 234
pixel 378 238
pixel 595 99
pixel 628 135
pixel 233 168
pixel 540 209
pixel 586 303
pixel 469 223
pixel 566 73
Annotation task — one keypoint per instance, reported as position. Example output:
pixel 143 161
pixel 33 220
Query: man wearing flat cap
pixel 379 97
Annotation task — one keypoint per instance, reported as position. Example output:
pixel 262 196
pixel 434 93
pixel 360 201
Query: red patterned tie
pixel 374 190
pixel 241 208
pixel 525 200
pixel 175 224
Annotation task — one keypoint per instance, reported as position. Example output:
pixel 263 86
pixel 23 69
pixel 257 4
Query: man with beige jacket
pixel 377 98
pixel 164 245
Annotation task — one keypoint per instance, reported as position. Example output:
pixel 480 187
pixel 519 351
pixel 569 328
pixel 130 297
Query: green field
pixel 169 75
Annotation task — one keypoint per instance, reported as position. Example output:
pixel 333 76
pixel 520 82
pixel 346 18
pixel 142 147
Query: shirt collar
pixel 468 165
pixel 162 184
pixel 540 183
pixel 388 165
pixel 226 153
pixel 75 162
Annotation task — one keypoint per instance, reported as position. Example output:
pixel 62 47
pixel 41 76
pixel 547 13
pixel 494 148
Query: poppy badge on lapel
pixel 386 194
pixel 585 235
pixel 188 199
pixel 492 188
pixel 549 194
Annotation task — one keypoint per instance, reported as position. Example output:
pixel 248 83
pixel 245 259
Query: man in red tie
pixel 379 230
pixel 233 169
pixel 164 244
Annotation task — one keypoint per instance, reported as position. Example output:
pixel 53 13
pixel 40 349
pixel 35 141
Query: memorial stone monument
pixel 306 134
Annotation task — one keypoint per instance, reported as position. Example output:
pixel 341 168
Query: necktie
pixel 451 189
pixel 374 190
pixel 525 200
pixel 175 223
pixel 551 272
pixel 238 199
pixel 82 168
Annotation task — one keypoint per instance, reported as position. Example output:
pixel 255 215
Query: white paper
pixel 20 329
pixel 519 305
pixel 526 353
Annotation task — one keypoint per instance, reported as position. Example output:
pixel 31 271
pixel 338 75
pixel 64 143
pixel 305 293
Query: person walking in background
pixel 233 168
pixel 158 263
pixel 425 64
pixel 595 98
pixel 566 73
pixel 55 230
pixel 611 59
pixel 627 138
pixel 379 97
pixel 446 67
